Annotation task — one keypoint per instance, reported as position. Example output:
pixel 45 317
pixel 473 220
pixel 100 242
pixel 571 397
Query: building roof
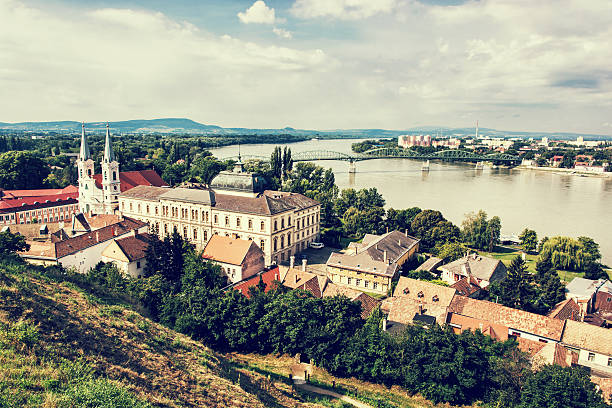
pixel 466 286
pixel 227 249
pixel 391 246
pixel 135 246
pixel 145 192
pixel 481 267
pixel 368 303
pixel 260 205
pixel 412 297
pixel 583 289
pixel 12 194
pixel 295 278
pixel 588 337
pixel 492 329
pixel 297 201
pixel 238 181
pixel 567 309
pixel 35 202
pixel 424 291
pixel 131 179
pixel 362 263
pixel 268 277
pixel 189 195
pixel 512 318
pixel 430 265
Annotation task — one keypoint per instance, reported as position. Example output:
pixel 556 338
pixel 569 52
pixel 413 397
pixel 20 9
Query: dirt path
pixel 323 391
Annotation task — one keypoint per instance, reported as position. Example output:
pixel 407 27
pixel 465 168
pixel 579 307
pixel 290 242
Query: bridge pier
pixel 352 167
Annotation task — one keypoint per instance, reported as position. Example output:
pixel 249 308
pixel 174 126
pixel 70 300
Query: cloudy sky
pixel 318 64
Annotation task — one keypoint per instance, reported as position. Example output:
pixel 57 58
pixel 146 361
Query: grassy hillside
pixel 62 347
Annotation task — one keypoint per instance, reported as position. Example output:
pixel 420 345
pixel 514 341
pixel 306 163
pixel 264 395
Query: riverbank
pixel 559 170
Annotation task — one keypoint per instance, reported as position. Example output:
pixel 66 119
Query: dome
pixel 238 181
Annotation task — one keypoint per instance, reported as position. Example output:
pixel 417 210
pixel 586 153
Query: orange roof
pixel 11 194
pixel 496 331
pixel 227 249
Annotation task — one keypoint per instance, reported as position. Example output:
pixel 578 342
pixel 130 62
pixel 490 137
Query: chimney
pixel 420 308
pixel 291 261
pixel 406 232
pixel 97 236
pixel 297 278
pixel 355 250
pixel 385 256
pixel 134 232
pixel 384 324
pixel 304 265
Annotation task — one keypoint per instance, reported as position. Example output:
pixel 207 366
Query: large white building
pixel 98 193
pixel 236 205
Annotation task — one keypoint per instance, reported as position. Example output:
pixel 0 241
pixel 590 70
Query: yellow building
pixel 371 265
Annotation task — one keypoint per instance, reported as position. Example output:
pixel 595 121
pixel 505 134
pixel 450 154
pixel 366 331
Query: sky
pixel 519 65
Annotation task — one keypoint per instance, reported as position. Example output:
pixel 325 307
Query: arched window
pixel 275 225
pixel 282 242
pixel 289 239
pixel 114 176
pixel 275 244
pixel 262 226
pixel 282 223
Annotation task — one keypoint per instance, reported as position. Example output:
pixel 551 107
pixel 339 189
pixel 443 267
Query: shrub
pixel 99 393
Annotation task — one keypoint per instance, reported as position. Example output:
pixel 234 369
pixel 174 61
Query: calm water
pixel 549 203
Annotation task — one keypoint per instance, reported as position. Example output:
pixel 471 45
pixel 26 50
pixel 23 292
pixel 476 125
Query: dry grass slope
pixel 71 331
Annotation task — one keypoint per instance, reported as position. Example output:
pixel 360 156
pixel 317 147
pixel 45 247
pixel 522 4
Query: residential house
pixel 371 265
pixel 592 344
pixel 128 253
pixel 469 286
pixel 81 252
pixel 566 310
pixel 417 301
pixel 320 286
pixel 486 270
pixel 238 258
pixel 594 297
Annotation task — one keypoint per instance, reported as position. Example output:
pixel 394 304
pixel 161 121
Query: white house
pixel 128 253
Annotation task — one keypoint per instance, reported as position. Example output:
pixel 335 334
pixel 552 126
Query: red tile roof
pixel 567 309
pixel 135 246
pixel 131 179
pixel 12 194
pixel 29 203
pixel 268 278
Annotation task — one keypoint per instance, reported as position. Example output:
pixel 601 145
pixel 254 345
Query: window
pixel 282 242
pixel 366 283
pixel 147 208
pixel 114 176
pixel 226 221
pixel 205 235
pixel 289 239
pixel 238 222
pixel 138 265
pixel 609 361
pixel 261 226
pixel 195 233
pixel 282 223
pixel 262 244
pixel 375 285
pixel 250 225
pixel 156 210
pixel 275 244
pixel 216 219
pixel 166 229
pixel 289 221
pixel 591 357
pixel 357 282
pixel 130 206
pixel 543 341
pixel 349 281
pixel 185 232
pixel 275 225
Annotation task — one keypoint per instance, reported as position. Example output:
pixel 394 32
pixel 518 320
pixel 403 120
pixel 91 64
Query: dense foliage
pixel 480 232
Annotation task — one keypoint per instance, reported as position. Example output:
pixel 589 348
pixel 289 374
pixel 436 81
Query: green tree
pixel 517 290
pixel 11 243
pixel 205 169
pixel 400 220
pixel 276 162
pixel 566 253
pixel 450 251
pixel 479 232
pixel 22 170
pixel 433 229
pixel 529 240
pixel 554 386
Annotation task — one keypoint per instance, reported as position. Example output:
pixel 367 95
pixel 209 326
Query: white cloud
pixel 341 9
pixel 258 13
pixel 282 33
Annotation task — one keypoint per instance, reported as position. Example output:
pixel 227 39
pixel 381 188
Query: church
pixel 98 193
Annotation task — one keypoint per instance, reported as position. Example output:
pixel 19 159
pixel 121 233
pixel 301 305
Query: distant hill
pixel 188 126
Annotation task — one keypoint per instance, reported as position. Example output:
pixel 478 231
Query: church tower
pixel 111 185
pixel 85 166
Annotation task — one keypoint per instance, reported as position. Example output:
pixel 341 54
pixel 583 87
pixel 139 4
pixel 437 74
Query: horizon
pixel 378 64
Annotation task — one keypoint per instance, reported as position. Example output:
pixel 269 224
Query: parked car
pixel 316 245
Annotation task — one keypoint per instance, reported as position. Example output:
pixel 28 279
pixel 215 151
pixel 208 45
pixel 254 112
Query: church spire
pixel 109 156
pixel 84 154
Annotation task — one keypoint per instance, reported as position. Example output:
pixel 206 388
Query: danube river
pixel 549 203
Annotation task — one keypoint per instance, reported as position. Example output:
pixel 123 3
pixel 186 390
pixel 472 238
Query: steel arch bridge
pixel 393 153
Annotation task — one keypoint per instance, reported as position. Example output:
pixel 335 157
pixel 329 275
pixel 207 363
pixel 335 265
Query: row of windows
pixel 307 221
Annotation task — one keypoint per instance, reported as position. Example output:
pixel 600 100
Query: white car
pixel 316 245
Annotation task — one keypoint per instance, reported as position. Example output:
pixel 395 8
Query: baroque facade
pixel 280 223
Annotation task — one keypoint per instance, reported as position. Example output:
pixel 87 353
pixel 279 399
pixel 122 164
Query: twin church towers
pixel 98 193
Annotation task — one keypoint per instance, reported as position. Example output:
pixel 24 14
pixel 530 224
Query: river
pixel 547 202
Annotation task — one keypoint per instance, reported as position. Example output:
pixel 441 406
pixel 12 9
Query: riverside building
pixel 235 205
